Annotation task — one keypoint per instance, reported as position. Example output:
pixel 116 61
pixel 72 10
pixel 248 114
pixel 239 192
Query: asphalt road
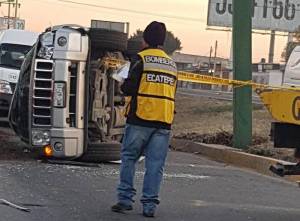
pixel 194 188
pixel 221 95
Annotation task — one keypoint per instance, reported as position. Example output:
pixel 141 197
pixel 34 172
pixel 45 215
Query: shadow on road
pixel 11 147
pixel 4 124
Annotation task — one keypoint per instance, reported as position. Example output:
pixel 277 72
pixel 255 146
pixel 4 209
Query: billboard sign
pixel 20 23
pixel 277 15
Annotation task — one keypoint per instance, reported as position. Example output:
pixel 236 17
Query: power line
pixel 134 11
pixel 184 23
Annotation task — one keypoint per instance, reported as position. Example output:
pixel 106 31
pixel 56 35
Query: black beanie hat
pixel 155 34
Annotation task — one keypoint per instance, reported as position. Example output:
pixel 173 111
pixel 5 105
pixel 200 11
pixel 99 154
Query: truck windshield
pixel 12 55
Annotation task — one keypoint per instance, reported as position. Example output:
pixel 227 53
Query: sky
pixel 187 19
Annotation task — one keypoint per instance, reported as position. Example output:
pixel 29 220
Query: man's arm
pixel 131 84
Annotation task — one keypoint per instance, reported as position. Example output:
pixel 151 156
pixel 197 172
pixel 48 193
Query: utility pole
pixel 215 57
pixel 209 60
pixel 290 37
pixel 215 87
pixel 272 47
pixel 242 70
pixel 17 6
pixel 9 3
pixel 8 15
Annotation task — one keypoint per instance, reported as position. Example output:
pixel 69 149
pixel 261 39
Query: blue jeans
pixel 153 143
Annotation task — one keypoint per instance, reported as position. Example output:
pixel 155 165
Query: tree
pixel 291 45
pixel 137 36
pixel 171 44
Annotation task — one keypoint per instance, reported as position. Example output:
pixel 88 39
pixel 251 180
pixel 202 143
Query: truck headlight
pixel 47 39
pixel 40 138
pixel 5 87
pixel 62 41
pixel 59 95
pixel 47 45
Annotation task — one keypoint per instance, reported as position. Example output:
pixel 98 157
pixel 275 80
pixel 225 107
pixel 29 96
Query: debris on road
pixel 7 203
pixel 72 163
pixel 283 169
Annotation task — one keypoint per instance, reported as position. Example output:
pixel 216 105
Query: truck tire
pixel 108 40
pixel 102 152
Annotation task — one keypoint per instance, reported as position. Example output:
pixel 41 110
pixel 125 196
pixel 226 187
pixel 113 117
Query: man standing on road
pixel 152 85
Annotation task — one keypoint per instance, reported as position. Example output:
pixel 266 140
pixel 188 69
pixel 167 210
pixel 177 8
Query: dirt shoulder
pixel 207 120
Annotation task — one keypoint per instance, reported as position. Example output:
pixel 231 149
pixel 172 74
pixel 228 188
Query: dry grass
pixel 205 115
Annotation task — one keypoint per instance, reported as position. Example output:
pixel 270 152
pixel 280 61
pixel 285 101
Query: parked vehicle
pixel 66 102
pixel 14 45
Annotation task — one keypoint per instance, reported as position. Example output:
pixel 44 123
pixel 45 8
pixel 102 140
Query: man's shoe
pixel 149 212
pixel 121 208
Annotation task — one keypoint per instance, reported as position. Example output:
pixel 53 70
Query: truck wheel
pixel 102 152
pixel 108 40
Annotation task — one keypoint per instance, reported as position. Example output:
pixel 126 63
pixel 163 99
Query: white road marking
pixel 166 175
pixel 185 176
pixel 249 207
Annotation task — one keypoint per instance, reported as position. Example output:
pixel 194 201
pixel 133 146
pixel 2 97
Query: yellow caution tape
pixel 206 79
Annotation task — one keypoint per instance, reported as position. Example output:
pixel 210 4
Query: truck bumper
pixel 70 140
pixel 5 100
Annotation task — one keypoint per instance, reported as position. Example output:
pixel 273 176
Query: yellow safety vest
pixel 156 93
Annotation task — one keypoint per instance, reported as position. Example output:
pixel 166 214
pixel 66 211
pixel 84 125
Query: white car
pixel 14 45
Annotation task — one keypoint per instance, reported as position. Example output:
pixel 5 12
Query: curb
pixel 231 156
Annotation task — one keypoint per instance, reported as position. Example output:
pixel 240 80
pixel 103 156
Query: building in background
pixel 262 73
pixel 198 63
pixel 218 67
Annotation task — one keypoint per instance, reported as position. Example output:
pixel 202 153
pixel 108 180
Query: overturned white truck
pixel 66 102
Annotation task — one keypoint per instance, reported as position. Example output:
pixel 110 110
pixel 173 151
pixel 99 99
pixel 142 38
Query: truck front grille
pixel 73 94
pixel 42 93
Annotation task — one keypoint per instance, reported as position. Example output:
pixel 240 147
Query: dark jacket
pixel 130 87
